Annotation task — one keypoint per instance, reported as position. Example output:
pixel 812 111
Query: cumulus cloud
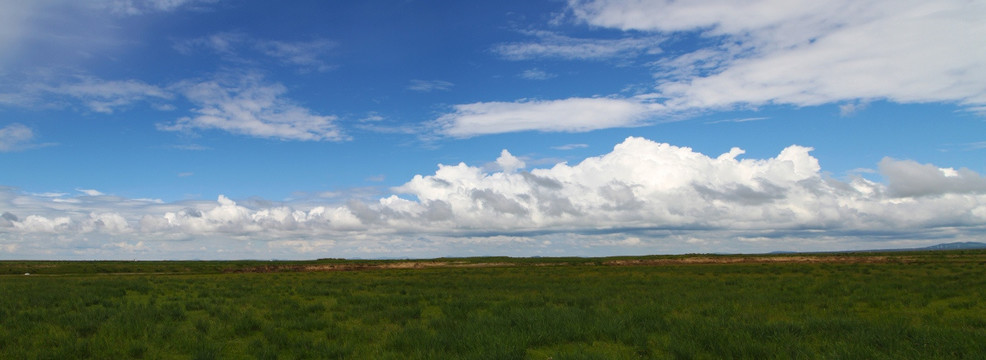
pixel 909 178
pixel 247 105
pixel 641 197
pixel 809 52
pixel 566 115
pixel 509 163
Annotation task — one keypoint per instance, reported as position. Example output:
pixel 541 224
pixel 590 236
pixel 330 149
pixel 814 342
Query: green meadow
pixel 922 305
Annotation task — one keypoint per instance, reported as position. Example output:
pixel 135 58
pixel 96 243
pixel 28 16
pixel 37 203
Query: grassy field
pixel 893 306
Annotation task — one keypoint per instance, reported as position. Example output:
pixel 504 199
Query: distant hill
pixel 955 246
pixel 947 246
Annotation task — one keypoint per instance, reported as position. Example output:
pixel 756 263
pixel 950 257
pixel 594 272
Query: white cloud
pixel 40 224
pixel 552 45
pixel 852 108
pixel 430 85
pixel 909 178
pixel 509 163
pixel 90 192
pixel 808 52
pixel 567 115
pixel 15 137
pixel 248 106
pixel 643 197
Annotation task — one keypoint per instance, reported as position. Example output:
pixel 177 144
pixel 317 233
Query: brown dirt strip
pixel 692 260
pixel 764 260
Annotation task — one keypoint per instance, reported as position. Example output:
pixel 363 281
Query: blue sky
pixel 245 129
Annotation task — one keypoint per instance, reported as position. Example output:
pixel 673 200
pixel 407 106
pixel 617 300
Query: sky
pixel 218 129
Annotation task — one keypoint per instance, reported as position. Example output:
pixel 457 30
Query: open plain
pixel 915 305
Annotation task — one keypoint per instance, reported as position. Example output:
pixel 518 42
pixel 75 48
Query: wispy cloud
pixel 553 45
pixel 61 34
pixel 139 7
pixel 536 74
pixel 190 147
pixel 570 146
pixel 429 85
pixel 809 53
pixel 239 47
pixel 852 108
pixel 90 192
pixel 245 104
pixel 93 93
pixel 105 96
pixel 225 43
pixel 740 120
pixel 566 115
pixel 976 145
pixel 307 55
pixel 15 137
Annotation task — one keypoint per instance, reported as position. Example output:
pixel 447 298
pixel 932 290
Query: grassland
pixel 892 306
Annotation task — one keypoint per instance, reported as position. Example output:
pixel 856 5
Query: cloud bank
pixel 642 197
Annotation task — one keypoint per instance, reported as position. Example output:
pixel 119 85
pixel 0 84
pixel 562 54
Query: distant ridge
pixel 969 245
pixel 956 246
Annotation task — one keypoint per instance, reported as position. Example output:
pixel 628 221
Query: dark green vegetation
pixel 893 306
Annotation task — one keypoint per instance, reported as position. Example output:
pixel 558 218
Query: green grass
pixel 929 306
